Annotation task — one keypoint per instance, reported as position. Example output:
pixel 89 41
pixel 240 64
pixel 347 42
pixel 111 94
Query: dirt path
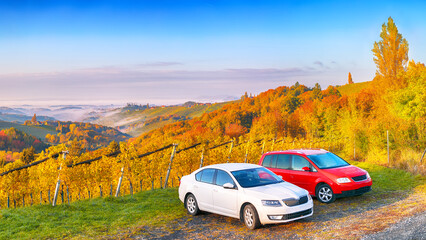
pixel 413 227
pixel 347 218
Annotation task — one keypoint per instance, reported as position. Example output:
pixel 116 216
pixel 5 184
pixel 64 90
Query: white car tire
pixel 191 205
pixel 250 217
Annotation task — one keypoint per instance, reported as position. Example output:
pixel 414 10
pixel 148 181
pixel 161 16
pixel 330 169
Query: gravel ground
pixel 347 218
pixel 409 228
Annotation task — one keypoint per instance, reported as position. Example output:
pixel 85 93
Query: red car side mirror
pixel 306 169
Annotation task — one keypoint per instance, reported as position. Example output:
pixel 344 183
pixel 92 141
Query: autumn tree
pixel 316 92
pixel 113 147
pixel 350 78
pixel 34 119
pixel 235 130
pixel 390 55
pixel 27 155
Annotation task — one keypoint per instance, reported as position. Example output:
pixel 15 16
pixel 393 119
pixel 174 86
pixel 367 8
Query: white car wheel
pixel 191 205
pixel 251 219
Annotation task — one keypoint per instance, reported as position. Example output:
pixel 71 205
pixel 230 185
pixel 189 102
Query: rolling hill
pixel 354 88
pixel 138 120
pixel 39 132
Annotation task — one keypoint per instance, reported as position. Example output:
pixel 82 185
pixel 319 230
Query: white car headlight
pixel 343 180
pixel 271 203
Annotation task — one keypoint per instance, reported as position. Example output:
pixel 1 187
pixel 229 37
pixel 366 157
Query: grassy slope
pixel 37 131
pixel 91 218
pixel 350 89
pixel 124 119
pixel 111 218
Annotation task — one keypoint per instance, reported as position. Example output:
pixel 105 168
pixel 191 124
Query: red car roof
pixel 301 151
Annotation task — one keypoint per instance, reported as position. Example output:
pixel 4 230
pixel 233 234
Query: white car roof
pixel 233 166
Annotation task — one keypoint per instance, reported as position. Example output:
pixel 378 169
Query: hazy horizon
pixel 170 52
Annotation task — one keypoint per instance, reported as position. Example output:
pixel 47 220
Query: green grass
pixel 91 218
pixel 37 131
pixel 389 179
pixel 349 89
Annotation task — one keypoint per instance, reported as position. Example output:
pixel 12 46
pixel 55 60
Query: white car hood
pixel 282 190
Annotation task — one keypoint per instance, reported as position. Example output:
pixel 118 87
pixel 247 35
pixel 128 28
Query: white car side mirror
pixel 229 186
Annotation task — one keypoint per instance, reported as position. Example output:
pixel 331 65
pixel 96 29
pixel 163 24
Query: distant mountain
pixel 7 110
pixel 21 118
pixel 56 112
pixel 138 119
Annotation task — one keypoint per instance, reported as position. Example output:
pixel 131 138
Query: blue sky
pixel 167 52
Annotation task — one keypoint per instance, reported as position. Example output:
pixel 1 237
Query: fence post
pixel 355 146
pixel 152 184
pixel 31 195
pixel 58 184
pixel 68 195
pixel 263 146
pixel 110 189
pixel 8 200
pixel 140 182
pixel 41 197
pixel 247 148
pixel 230 151
pixel 23 200
pixel 273 144
pixel 48 195
pixel 119 183
pixel 202 158
pixel 421 159
pixel 387 138
pixel 170 165
pixel 100 190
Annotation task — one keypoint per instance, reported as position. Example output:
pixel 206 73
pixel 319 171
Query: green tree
pixel 316 92
pixel 27 155
pixel 113 147
pixel 390 55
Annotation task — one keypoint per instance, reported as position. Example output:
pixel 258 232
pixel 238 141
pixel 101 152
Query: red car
pixel 324 174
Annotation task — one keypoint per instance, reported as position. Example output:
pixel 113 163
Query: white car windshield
pixel 255 177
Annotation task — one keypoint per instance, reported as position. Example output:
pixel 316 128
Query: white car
pixel 248 192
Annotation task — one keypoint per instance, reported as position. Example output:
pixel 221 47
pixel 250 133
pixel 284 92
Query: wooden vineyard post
pixel 247 149
pixel 387 139
pixel 170 165
pixel 119 183
pixel 8 200
pixel 230 151
pixel 58 183
pixel 202 158
pixel 273 144
pixel 68 195
pixel 263 146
